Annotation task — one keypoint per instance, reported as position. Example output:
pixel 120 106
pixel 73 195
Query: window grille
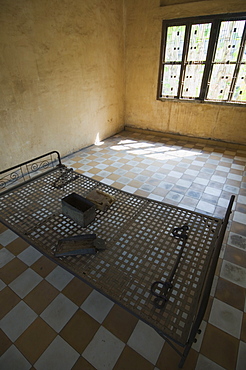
pixel 204 59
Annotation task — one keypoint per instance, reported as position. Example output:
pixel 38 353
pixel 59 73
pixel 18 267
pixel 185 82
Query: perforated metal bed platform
pixel 140 247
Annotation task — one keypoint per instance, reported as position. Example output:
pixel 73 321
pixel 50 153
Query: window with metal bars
pixel 204 59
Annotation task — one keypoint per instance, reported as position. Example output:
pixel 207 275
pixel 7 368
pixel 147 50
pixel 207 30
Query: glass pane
pixel 193 80
pixel 174 43
pixel 229 41
pixel 171 80
pixel 199 39
pixel 240 87
pixel 220 81
pixel 244 54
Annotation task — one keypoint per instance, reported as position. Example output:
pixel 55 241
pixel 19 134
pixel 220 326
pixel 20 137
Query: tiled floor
pixel 52 320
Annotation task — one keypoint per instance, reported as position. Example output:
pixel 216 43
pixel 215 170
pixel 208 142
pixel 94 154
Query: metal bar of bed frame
pixel 24 172
pixel 205 292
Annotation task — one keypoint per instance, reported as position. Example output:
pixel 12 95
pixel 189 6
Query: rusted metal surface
pixel 140 246
pixel 79 209
pixel 26 171
pixel 78 245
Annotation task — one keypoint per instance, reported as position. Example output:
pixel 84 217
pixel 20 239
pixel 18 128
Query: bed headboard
pixel 26 171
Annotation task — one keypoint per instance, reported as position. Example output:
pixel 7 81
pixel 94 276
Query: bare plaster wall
pixel 61 75
pixel 142 109
pixel 73 71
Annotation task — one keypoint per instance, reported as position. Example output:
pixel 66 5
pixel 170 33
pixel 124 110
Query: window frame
pixel 215 21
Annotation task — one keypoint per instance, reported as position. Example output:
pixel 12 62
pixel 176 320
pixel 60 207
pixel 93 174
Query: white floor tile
pixel 176 197
pixel 212 191
pixel 148 188
pixel 175 174
pixel 101 166
pixel 206 207
pixel 158 176
pixel 203 363
pixel 129 189
pixel 148 161
pixel 239 217
pixel 7 237
pixel 223 202
pixel 16 321
pixel 107 181
pixel 198 163
pixel 237 241
pixel 184 183
pixel 237 167
pixel 84 168
pixel 58 356
pixel 104 350
pixel 29 255
pixel 241 360
pixel 234 273
pixel 5 257
pixel 191 208
pixel 68 162
pixel 235 177
pixel 104 173
pixel 201 181
pixel 226 318
pixel 152 168
pixel 146 341
pixel 231 189
pixel 88 174
pixel 133 163
pixel 227 160
pixel 222 251
pixel 214 285
pixel 156 197
pixel 141 178
pixel 166 185
pixel 97 306
pixel 124 180
pixel 197 346
pixel 25 282
pixel 220 179
pixel 120 172
pixel 192 173
pixel 2 285
pixel 59 278
pixel 168 167
pixel 13 359
pixel 116 164
pixel 241 199
pixel 223 169
pixel 59 312
pixel 136 170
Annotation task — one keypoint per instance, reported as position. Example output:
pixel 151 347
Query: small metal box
pixel 79 209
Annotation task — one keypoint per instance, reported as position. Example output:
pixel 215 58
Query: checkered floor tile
pixel 52 320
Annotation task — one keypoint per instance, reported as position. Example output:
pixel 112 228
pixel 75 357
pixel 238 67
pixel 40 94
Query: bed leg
pixel 184 355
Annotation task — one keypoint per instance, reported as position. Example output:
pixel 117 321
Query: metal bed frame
pixel 159 262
